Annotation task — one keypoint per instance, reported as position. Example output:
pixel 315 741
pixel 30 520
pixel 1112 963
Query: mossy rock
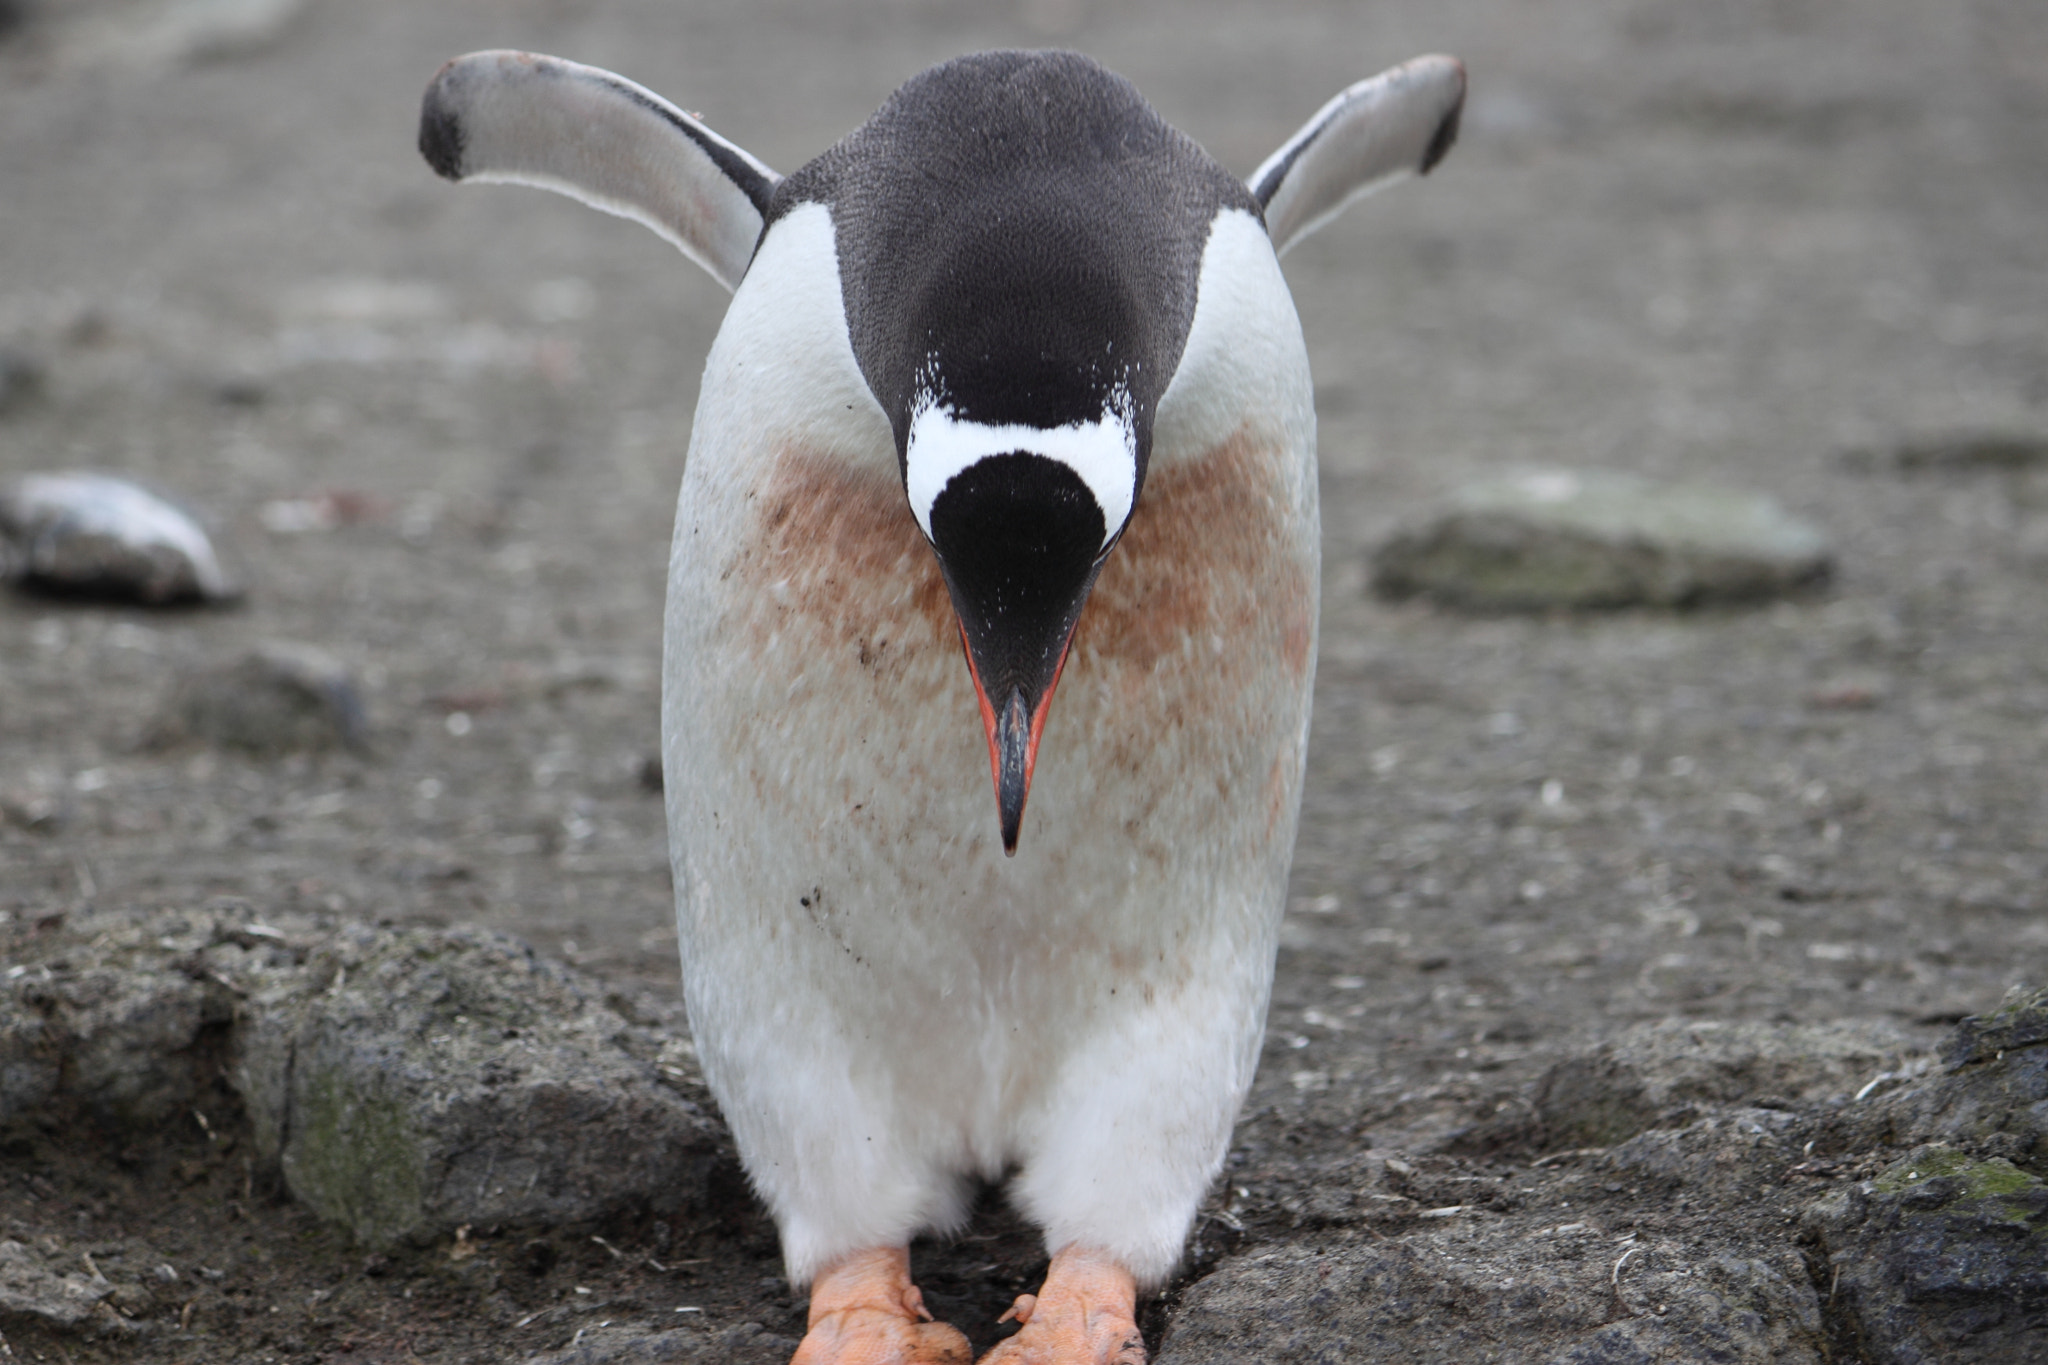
pixel 424 1079
pixel 1591 539
pixel 1944 1257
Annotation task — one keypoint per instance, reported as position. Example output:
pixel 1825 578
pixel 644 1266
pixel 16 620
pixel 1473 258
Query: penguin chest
pixel 827 720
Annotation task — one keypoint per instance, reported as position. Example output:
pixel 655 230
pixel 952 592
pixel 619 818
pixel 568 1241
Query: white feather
pixel 1102 453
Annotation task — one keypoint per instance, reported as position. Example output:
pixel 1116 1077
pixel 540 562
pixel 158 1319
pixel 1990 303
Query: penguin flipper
pixel 521 118
pixel 1398 123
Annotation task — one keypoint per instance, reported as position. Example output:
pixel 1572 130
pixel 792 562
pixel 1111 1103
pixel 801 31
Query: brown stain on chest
pixel 1212 554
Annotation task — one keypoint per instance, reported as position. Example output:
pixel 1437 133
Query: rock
pixel 21 378
pixel 1661 1074
pixel 1944 1257
pixel 276 699
pixel 1962 451
pixel 419 1080
pixel 749 1343
pixel 161 33
pixel 1724 1159
pixel 1595 539
pixel 1991 1096
pixel 2020 1021
pixel 29 1291
pixel 1496 1295
pixel 126 1039
pixel 95 535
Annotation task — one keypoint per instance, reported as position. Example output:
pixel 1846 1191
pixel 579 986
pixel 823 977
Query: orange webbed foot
pixel 865 1311
pixel 1085 1315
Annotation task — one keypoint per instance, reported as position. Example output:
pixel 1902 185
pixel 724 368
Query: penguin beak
pixel 1019 539
pixel 1014 724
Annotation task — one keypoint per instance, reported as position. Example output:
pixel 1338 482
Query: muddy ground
pixel 1762 243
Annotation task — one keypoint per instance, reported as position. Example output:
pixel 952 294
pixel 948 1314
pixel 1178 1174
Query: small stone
pixel 161 33
pixel 278 698
pixel 132 1300
pixel 21 378
pixel 28 1290
pixel 1596 539
pixel 96 535
pixel 1972 450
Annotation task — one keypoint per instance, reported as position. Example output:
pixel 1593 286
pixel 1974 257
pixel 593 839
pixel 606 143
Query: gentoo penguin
pixel 1003 473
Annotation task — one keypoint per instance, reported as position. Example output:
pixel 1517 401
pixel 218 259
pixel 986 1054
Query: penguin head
pixel 1019 237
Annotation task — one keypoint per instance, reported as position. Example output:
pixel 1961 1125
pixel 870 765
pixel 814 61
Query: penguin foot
pixel 865 1311
pixel 1084 1315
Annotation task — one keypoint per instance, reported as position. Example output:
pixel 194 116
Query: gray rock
pixel 1962 451
pixel 1943 1258
pixel 126 1037
pixel 1663 1073
pixel 30 1062
pixel 30 1291
pixel 1723 1160
pixel 1595 539
pixel 153 34
pixel 1991 1096
pixel 21 377
pixel 2020 1021
pixel 1496 1294
pixel 420 1080
pixel 97 535
pixel 276 699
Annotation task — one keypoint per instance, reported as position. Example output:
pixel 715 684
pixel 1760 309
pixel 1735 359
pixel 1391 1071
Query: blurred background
pixel 1788 248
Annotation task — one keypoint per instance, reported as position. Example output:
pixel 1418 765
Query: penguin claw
pixel 1083 1316
pixel 879 1336
pixel 865 1311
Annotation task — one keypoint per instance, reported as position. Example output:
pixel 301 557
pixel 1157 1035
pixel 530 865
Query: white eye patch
pixel 1103 453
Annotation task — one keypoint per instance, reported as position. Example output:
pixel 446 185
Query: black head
pixel 1019 240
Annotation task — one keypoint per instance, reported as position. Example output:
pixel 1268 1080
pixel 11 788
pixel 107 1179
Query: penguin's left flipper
pixel 527 119
pixel 1397 124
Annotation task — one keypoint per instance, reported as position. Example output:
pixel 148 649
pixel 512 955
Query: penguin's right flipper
pixel 1397 124
pixel 526 119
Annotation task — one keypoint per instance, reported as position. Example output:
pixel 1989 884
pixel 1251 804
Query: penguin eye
pixel 1101 456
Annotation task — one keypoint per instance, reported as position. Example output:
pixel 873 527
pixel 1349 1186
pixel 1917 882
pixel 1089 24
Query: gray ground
pixel 1732 242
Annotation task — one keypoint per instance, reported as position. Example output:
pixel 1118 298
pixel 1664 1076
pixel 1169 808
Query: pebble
pixel 1593 539
pixel 102 536
pixel 21 378
pixel 29 1290
pixel 275 699
pixel 1959 452
pixel 154 34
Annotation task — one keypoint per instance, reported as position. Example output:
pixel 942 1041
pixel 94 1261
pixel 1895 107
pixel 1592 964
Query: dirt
pixel 1747 243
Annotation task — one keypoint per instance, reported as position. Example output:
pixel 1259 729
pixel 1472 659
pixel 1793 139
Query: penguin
pixel 1002 481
